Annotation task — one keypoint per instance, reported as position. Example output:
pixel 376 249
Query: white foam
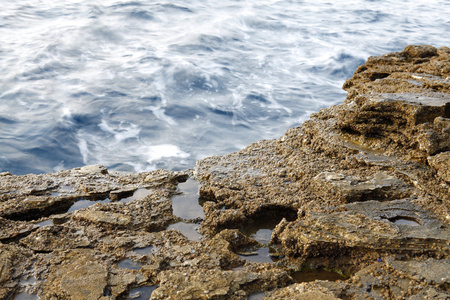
pixel 154 153
pixel 160 114
pixel 84 151
pixel 123 131
pixel 141 155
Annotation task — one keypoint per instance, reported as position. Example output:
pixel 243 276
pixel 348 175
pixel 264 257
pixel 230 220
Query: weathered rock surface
pixel 361 189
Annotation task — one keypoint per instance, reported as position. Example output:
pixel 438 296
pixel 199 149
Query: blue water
pixel 140 85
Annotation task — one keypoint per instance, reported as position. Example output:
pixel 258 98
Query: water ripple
pixel 138 85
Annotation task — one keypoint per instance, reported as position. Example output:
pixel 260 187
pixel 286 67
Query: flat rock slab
pixel 372 225
pixel 217 284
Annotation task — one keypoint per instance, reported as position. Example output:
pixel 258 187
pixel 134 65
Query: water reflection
pixel 186 205
pixel 45 223
pixel 24 295
pixel 143 251
pixel 129 264
pixel 256 296
pixel 261 229
pixel 85 203
pixel 405 221
pixel 260 255
pixel 142 293
pixel 189 230
pixel 138 194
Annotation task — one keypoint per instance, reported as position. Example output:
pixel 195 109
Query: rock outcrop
pixel 361 189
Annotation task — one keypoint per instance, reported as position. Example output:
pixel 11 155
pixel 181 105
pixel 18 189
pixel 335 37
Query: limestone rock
pixel 395 226
pixel 303 291
pixel 379 187
pixel 85 282
pixel 6 270
pixel 114 219
pixel 80 276
pixel 441 162
pixel 216 284
pixel 92 170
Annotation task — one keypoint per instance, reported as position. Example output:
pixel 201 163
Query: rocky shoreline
pixel 353 204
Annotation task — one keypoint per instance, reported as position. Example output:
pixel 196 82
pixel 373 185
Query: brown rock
pixel 110 218
pixel 85 282
pixel 441 162
pixel 421 51
pixel 6 268
pixel 216 284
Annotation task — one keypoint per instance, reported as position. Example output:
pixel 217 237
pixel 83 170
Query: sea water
pixel 139 85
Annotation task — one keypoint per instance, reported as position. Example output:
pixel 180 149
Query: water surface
pixel 140 85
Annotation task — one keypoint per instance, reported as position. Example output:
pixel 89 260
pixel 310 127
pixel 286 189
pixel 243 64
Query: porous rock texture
pixel 361 189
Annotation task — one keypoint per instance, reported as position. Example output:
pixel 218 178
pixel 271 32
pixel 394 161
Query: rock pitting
pixel 361 188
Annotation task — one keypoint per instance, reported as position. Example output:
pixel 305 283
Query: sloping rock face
pixel 367 178
pixel 361 189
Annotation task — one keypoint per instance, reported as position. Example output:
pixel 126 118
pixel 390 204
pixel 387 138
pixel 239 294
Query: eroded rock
pixel 394 227
pixel 216 284
pixel 441 163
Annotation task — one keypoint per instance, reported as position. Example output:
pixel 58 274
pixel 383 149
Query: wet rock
pixel 34 207
pixel 14 261
pixel 430 270
pixel 400 120
pixel 236 239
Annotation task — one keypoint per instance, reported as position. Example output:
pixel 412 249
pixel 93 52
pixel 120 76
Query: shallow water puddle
pixel 45 223
pixel 319 274
pixel 25 295
pixel 261 230
pixel 85 203
pixel 143 251
pixel 129 264
pixel 405 221
pixel 138 194
pixel 142 293
pixel 186 205
pixel 63 189
pixel 256 296
pixel 260 255
pixel 262 236
pixel 189 230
